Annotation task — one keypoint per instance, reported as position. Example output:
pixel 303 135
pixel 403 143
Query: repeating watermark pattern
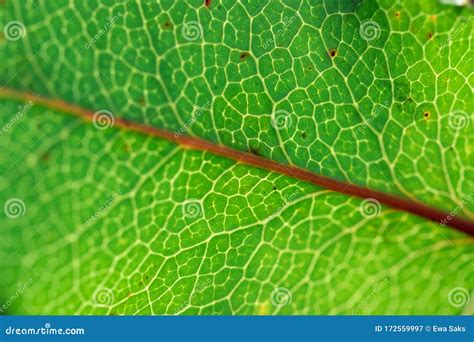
pixel 13 298
pixel 370 297
pixel 14 208
pixel 103 119
pixel 201 287
pixel 370 207
pixel 280 297
pixel 467 199
pixel 192 119
pixel 108 24
pixel 369 30
pixel 191 31
pixel 22 110
pixel 459 297
pixel 464 22
pixel 192 208
pixel 267 43
pixel 378 110
pixel 286 200
pixel 458 120
pixel 280 119
pixel 14 30
pixel 103 297
pixel 103 208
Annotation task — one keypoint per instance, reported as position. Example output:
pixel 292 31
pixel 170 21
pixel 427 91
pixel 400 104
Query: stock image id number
pixel 420 328
pixel 399 328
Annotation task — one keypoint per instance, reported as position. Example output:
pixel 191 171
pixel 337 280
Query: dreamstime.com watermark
pixel 267 43
pixel 103 297
pixel 467 199
pixel 370 297
pixel 103 208
pixel 103 119
pixel 280 297
pixel 14 30
pixel 14 208
pixel 459 297
pixel 108 24
pixel 375 113
pixel 46 330
pixel 369 30
pixel 458 120
pixel 22 110
pixel 459 28
pixel 370 207
pixel 280 119
pixel 13 298
pixel 201 287
pixel 192 119
pixel 286 200
pixel 192 208
pixel 191 31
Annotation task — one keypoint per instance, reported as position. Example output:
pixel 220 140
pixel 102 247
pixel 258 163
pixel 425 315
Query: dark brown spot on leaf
pixel 207 3
pixel 333 53
pixel 126 147
pixel 253 150
pixel 244 55
pixel 45 157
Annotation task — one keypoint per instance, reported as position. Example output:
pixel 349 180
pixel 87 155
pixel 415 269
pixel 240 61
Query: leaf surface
pixel 117 222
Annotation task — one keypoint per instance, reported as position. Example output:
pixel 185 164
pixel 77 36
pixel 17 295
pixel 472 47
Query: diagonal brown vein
pixel 395 202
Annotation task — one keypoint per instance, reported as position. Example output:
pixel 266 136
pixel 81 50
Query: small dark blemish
pixel 333 53
pixel 397 14
pixel 430 35
pixel 303 135
pixel 244 55
pixel 274 187
pixel 167 25
pixel 126 147
pixel 45 157
pixel 207 3
pixel 126 122
pixel 254 151
pixel 310 68
pixel 426 115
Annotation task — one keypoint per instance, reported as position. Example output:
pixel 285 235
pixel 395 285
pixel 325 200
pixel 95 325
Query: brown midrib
pixel 395 202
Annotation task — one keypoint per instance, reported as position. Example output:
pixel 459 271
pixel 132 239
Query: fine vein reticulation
pixel 355 96
pixel 257 161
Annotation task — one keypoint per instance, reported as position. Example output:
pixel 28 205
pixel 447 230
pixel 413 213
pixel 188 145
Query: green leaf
pixel 114 221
